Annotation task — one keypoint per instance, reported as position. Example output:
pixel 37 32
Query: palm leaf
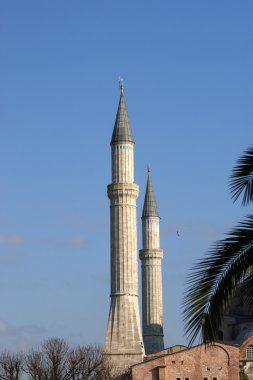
pixel 247 289
pixel 241 180
pixel 214 281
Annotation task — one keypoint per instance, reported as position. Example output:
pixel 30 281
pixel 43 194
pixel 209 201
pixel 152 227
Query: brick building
pixel 219 361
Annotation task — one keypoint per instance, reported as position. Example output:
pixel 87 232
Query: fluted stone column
pixel 123 343
pixel 151 258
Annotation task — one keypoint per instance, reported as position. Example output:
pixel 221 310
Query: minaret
pixel 151 258
pixel 123 343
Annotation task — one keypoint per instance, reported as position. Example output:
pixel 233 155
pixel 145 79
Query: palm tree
pixel 228 264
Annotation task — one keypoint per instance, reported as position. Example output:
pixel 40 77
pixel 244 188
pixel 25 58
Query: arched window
pixel 249 353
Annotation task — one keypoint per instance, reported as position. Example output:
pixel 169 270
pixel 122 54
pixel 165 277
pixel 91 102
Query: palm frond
pixel 241 179
pixel 247 289
pixel 214 280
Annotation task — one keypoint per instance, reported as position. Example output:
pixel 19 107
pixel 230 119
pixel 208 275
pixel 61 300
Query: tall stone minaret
pixel 151 258
pixel 123 343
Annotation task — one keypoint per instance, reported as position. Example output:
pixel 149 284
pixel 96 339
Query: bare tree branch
pixel 56 361
pixel 11 366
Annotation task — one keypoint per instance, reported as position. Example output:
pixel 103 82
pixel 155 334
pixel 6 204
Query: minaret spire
pixel 121 85
pixel 122 130
pixel 150 206
pixel 123 343
pixel 151 258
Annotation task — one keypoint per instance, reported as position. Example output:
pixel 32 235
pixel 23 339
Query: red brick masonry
pixel 219 361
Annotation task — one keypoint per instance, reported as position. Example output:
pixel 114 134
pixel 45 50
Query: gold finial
pixel 121 85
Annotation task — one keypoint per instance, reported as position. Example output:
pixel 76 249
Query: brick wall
pixel 199 362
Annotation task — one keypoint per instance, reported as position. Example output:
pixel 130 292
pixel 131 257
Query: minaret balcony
pixel 151 254
pixel 122 193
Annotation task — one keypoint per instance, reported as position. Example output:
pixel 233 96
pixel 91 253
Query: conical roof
pixel 122 131
pixel 150 207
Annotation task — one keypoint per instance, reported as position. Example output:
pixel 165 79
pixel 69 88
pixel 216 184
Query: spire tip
pixel 121 85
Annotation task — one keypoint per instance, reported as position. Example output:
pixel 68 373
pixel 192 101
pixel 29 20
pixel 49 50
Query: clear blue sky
pixel 188 76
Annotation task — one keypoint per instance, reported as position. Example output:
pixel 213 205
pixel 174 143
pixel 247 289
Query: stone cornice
pixel 151 254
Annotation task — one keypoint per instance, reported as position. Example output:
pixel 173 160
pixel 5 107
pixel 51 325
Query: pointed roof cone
pixel 122 131
pixel 150 207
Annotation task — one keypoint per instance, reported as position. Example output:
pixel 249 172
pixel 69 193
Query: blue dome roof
pixel 245 334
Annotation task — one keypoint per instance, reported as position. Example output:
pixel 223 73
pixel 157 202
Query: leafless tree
pixel 55 352
pixel 11 366
pixel 88 363
pixel 35 366
pixel 56 361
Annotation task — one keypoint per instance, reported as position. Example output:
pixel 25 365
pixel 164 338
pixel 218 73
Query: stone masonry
pixel 123 343
pixel 151 258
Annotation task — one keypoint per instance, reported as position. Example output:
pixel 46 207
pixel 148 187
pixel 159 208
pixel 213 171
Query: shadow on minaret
pixel 153 338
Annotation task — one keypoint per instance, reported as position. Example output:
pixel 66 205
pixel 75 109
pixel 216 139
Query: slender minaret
pixel 123 343
pixel 151 258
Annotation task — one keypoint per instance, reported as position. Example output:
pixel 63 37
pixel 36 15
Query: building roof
pixel 245 334
pixel 122 131
pixel 149 207
pixel 180 349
